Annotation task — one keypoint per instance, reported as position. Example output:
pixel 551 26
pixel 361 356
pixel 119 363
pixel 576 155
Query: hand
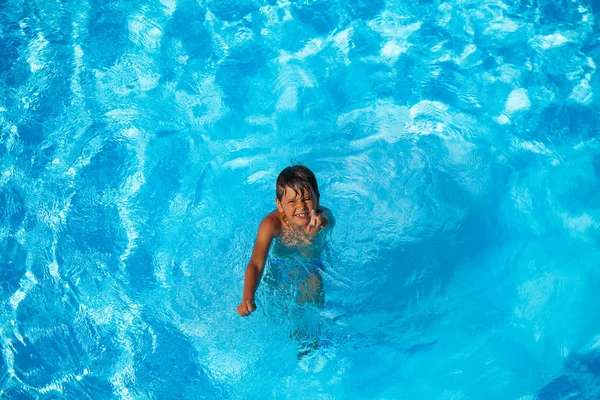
pixel 317 221
pixel 246 308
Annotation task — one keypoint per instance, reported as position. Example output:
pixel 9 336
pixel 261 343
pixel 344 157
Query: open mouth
pixel 301 215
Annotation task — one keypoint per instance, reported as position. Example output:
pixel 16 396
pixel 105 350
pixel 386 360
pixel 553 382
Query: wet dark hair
pixel 298 178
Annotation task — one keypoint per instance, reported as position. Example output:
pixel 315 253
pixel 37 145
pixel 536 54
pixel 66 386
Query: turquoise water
pixel 456 143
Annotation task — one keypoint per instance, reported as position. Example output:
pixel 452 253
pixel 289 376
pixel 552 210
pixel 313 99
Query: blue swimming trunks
pixel 284 270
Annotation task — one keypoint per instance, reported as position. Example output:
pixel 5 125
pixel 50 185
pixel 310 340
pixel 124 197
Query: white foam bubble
pixel 36 53
pixel 257 176
pixel 342 40
pixel 549 41
pixel 288 99
pixel 579 224
pixel 392 49
pixel 170 6
pixel 468 50
pixel 501 27
pixel 502 119
pixel 517 100
pixel 239 162
pixel 144 32
pixel 391 25
pixel 25 285
pixel 425 106
pixel 310 49
pixel 582 93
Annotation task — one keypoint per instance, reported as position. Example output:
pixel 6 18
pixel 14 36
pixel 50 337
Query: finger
pixel 318 221
pixel 250 307
pixel 243 310
pixel 313 218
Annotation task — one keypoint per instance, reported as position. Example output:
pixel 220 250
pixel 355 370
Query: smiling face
pixel 296 205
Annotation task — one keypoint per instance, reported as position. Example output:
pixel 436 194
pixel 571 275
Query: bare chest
pixel 292 242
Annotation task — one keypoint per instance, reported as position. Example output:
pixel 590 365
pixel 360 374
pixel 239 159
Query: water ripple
pixel 456 142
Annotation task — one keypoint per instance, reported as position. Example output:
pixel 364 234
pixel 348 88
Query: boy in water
pixel 296 224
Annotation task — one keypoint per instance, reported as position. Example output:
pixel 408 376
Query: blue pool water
pixel 456 142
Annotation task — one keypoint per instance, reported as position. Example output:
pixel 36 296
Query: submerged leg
pixel 307 335
pixel 311 290
pixel 307 339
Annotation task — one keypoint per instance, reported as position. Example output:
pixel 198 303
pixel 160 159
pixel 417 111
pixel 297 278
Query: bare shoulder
pixel 271 224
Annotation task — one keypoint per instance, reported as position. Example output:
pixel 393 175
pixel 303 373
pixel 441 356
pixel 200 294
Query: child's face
pixel 296 207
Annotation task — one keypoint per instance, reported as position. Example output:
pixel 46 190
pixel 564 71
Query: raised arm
pixel 266 231
pixel 320 219
pixel 329 218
